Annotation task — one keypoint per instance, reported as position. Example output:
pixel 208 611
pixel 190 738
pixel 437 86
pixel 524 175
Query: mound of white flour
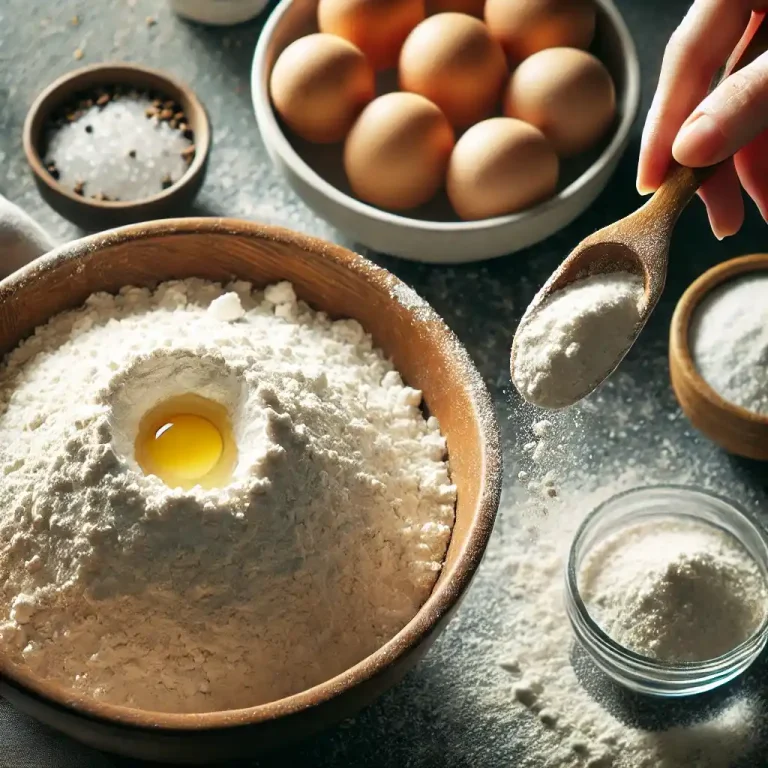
pixel 569 344
pixel 328 539
pixel 675 590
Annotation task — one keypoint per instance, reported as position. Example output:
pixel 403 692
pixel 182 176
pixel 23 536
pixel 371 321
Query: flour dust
pixel 563 712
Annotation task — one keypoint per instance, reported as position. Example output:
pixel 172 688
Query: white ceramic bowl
pixel 434 233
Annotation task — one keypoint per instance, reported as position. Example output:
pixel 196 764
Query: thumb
pixel 729 118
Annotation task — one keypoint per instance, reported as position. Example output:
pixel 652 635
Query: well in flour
pixel 326 539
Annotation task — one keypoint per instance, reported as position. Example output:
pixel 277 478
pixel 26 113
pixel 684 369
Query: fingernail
pixel 643 188
pixel 721 234
pixel 716 231
pixel 697 141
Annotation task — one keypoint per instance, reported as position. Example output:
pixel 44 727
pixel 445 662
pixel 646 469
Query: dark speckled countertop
pixel 443 713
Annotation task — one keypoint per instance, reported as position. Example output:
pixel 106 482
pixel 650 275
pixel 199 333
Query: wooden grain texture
pixel 90 214
pixel 736 429
pixel 424 350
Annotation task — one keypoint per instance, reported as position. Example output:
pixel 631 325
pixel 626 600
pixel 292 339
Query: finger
pixel 728 119
pixel 752 166
pixel 696 50
pixel 725 206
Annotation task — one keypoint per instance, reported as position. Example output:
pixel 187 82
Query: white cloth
pixel 22 239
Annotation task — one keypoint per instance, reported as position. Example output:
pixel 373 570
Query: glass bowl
pixel 629 668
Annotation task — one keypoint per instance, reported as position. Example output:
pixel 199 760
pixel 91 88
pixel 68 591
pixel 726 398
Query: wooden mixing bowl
pixel 736 429
pixel 422 348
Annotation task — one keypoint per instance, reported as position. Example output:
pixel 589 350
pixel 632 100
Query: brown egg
pixel 524 27
pixel 470 7
pixel 319 85
pixel 566 93
pixel 452 60
pixel 377 27
pixel 397 151
pixel 500 166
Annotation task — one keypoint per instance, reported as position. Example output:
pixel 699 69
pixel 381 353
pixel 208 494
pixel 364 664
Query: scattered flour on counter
pixel 674 590
pixel 327 540
pixel 550 701
pixel 729 341
pixel 568 726
pixel 566 347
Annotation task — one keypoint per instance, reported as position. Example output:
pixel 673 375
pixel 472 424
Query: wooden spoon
pixel 639 243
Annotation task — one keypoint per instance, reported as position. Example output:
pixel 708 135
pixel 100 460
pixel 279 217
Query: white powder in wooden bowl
pixel 729 341
pixel 326 541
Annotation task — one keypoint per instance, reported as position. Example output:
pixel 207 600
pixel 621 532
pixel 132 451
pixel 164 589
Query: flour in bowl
pixel 674 590
pixel 729 341
pixel 324 542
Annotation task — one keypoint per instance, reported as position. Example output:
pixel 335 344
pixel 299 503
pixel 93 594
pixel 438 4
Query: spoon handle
pixel 676 191
pixel 681 183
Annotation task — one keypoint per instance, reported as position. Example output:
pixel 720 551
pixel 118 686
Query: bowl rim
pixel 275 139
pixel 446 593
pixel 40 110
pixel 680 328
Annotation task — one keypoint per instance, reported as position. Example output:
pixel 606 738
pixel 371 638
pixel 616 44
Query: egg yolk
pixel 185 442
pixel 187 446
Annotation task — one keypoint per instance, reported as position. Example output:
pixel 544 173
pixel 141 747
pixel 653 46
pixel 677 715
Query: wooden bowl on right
pixel 736 429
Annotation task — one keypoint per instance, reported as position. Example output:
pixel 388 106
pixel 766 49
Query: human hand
pixel 700 130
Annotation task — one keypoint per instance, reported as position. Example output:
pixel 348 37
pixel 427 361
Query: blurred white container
pixel 22 239
pixel 220 13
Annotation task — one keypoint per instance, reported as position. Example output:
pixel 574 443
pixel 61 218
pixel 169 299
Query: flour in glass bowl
pixel 674 590
pixel 327 539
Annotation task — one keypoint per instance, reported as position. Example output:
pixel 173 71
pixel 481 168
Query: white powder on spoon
pixel 729 341
pixel 576 338
pixel 327 540
pixel 674 590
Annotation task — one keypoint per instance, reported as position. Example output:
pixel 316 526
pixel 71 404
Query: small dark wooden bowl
pixel 90 214
pixel 734 428
pixel 423 349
